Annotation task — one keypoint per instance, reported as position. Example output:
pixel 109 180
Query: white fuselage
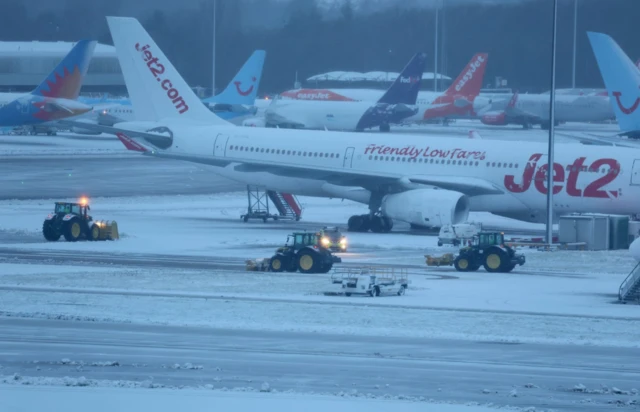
pixel 569 108
pixel 310 114
pixel 591 179
pixel 426 100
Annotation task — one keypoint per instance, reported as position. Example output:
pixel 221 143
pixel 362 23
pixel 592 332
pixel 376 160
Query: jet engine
pixel 427 207
pixel 494 119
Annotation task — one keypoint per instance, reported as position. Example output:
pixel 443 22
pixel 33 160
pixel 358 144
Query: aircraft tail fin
pixel 469 81
pixel 243 89
pixel 621 78
pixel 405 88
pixel 156 89
pixel 66 79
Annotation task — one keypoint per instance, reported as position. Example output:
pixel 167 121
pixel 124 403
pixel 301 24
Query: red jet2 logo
pixel 593 190
pixel 244 92
pixel 156 68
pixel 626 110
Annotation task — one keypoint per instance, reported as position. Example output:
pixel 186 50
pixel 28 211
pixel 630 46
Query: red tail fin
pixel 469 82
pixel 131 144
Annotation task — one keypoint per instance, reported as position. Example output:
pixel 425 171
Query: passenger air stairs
pixel 287 205
pixel 258 198
pixel 630 288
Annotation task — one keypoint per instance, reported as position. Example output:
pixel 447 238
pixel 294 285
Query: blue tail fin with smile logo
pixel 243 89
pixel 622 80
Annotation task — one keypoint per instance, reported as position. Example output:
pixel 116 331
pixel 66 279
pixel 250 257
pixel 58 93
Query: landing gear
pixel 374 221
pixel 365 223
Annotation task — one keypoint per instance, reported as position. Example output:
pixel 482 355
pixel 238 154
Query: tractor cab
pixel 79 209
pixel 302 239
pixel 485 239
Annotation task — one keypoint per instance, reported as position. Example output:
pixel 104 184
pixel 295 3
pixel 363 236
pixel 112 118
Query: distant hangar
pixel 23 65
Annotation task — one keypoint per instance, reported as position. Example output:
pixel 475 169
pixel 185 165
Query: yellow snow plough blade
pixel 108 230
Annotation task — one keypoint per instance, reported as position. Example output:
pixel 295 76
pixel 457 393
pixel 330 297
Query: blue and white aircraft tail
pixel 622 80
pixel 243 89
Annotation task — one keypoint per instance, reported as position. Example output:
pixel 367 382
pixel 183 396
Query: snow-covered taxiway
pixel 170 306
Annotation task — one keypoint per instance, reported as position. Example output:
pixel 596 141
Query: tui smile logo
pixel 244 92
pixel 623 109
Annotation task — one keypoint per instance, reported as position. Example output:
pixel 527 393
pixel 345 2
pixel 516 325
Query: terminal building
pixel 23 65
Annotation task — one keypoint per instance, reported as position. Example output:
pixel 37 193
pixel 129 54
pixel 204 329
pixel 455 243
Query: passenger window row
pixel 283 152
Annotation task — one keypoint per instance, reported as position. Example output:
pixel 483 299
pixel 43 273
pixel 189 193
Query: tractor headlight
pixel 325 241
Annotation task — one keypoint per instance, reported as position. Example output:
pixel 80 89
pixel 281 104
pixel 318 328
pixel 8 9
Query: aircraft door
pixel 635 173
pixel 348 157
pixel 220 145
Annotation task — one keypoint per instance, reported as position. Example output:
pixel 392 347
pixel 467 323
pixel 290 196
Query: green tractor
pixel 304 252
pixel 72 220
pixel 488 249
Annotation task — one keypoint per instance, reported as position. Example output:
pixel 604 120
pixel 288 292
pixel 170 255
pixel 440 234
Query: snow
pixel 62 144
pixel 17 396
pixel 556 297
pixel 194 217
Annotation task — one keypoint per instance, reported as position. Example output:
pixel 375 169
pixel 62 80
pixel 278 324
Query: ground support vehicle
pixel 332 239
pixel 372 281
pixel 303 252
pixel 489 250
pixel 73 221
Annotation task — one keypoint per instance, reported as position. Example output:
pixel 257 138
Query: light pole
pixel 552 121
pixel 435 64
pixel 575 41
pixel 213 71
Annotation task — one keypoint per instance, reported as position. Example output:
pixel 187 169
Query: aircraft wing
pixel 155 139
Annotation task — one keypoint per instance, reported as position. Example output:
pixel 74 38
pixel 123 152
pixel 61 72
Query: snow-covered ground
pixel 560 296
pixel 114 398
pixel 62 144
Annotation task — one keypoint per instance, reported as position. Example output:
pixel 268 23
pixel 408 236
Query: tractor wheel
pixel 72 230
pixel 495 260
pixel 308 261
pixel 474 268
pixel 49 231
pixel 277 263
pixel 94 232
pixel 462 264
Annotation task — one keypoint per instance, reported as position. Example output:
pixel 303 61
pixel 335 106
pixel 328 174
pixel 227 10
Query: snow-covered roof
pixel 11 48
pixel 375 76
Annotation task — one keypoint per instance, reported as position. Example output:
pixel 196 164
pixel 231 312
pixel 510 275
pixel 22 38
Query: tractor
pixel 73 221
pixel 304 252
pixel 488 249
